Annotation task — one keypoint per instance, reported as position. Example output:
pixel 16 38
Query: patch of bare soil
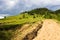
pixel 49 31
pixel 27 32
pixel 32 34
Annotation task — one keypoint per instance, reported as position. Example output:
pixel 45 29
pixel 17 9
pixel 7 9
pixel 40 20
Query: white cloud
pixel 11 3
pixel 8 4
pixel 29 3
pixel 1 17
pixel 4 15
pixel 42 3
pixel 22 5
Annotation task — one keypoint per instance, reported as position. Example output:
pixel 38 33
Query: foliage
pixel 4 35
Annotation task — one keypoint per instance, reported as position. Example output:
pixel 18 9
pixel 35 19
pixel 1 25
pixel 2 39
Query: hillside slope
pixel 45 30
pixel 27 32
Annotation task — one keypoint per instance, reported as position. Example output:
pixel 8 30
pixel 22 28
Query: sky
pixel 13 7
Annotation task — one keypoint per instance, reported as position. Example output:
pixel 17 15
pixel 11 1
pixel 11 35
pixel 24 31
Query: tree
pixel 4 17
pixel 23 15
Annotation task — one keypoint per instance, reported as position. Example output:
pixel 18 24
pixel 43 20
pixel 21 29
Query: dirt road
pixel 49 31
pixel 45 30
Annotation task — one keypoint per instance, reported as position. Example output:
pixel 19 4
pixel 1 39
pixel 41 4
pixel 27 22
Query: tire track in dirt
pixel 27 31
pixel 33 34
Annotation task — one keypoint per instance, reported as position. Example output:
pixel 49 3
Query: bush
pixel 23 15
pixel 4 35
pixel 34 17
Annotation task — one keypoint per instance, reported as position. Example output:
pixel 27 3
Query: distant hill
pixel 57 11
pixel 46 12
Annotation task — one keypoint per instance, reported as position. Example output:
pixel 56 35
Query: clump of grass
pixel 5 35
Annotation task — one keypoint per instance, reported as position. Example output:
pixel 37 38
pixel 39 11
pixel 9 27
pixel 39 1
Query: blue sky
pixel 12 7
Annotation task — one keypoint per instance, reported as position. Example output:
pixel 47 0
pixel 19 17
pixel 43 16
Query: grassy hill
pixel 32 16
pixel 9 24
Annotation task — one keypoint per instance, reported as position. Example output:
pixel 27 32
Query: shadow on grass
pixel 10 27
pixel 6 31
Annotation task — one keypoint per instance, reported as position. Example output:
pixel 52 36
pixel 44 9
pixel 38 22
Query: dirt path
pixel 46 30
pixel 49 31
pixel 27 30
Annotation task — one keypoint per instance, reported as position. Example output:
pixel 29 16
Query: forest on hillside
pixel 49 14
